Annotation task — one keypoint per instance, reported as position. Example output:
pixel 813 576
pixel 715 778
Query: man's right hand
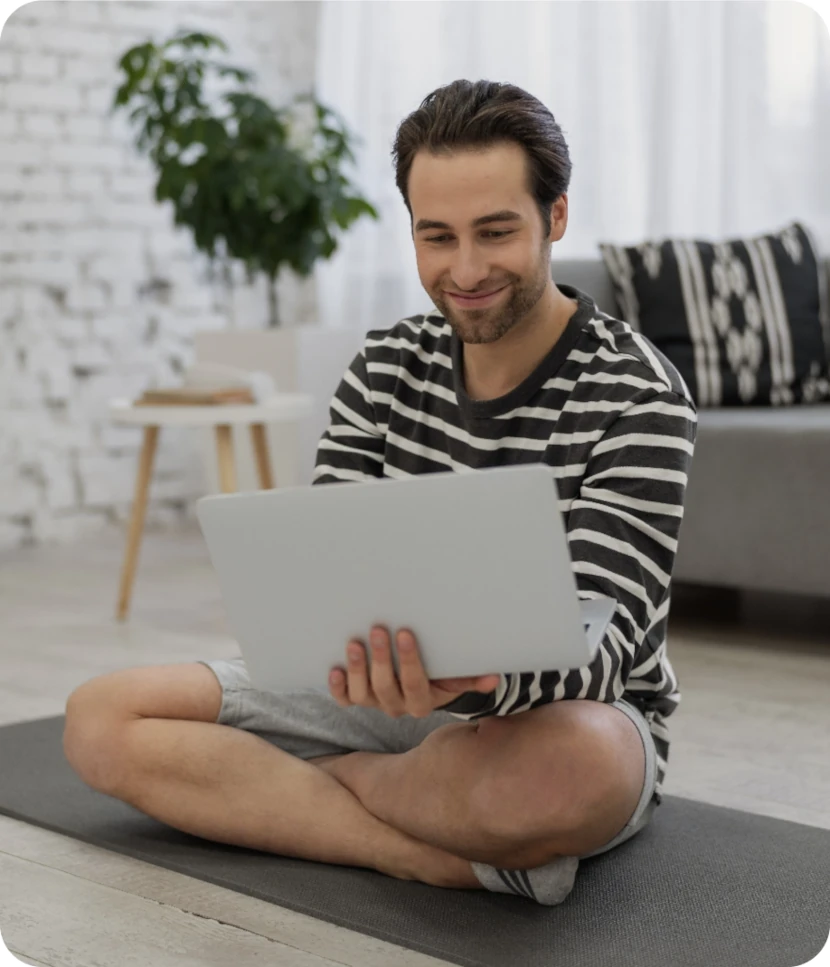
pixel 413 694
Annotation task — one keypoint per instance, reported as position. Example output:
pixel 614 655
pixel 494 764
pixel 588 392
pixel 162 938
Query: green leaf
pixel 195 38
pixel 243 76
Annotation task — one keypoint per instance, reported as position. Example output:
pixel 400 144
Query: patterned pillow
pixel 744 321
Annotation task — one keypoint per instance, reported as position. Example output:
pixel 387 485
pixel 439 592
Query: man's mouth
pixel 476 301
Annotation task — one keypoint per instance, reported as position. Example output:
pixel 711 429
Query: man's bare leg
pixel 228 785
pixel 515 792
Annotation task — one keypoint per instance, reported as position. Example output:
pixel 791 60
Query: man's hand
pixel 413 695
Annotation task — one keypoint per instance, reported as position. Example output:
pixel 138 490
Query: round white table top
pixel 282 407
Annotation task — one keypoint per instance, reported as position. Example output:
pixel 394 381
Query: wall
pixel 99 295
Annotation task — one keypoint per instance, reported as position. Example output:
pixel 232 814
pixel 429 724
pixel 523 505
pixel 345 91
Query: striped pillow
pixel 745 321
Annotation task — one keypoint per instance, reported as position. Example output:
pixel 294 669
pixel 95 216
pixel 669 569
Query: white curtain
pixel 704 118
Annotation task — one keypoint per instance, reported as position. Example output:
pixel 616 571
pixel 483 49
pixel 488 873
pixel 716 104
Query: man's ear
pixel 558 218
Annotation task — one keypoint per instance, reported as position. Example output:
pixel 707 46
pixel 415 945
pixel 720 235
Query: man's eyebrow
pixel 505 215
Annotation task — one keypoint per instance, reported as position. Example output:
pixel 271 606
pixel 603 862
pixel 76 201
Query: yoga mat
pixel 701 886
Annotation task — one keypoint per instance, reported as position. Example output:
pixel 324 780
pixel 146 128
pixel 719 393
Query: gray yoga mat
pixel 701 886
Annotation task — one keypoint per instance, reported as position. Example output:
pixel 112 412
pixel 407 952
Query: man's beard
pixel 478 326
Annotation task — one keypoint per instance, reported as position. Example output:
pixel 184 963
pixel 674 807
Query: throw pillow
pixel 744 321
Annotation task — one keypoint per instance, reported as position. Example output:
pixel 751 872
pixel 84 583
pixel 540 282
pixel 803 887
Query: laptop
pixel 475 563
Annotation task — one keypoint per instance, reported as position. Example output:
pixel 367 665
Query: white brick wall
pixel 82 243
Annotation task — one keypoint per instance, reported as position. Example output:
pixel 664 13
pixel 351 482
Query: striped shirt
pixel 613 419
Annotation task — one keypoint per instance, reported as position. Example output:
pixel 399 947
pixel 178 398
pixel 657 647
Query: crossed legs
pixel 512 792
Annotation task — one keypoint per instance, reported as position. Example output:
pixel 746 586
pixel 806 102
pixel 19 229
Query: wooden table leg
pixel 142 487
pixel 224 451
pixel 263 459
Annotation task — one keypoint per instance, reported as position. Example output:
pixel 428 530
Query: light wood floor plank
pixel 328 942
pixel 24 959
pixel 71 921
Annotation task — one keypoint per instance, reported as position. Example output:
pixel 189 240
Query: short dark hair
pixel 479 114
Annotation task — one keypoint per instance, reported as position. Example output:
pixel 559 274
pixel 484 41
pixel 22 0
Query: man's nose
pixel 469 269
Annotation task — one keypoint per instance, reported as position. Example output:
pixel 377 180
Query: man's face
pixel 508 258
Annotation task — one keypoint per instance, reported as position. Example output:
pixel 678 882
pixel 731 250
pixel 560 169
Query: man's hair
pixel 480 114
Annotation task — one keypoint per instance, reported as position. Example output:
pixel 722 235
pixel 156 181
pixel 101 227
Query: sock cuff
pixel 548 885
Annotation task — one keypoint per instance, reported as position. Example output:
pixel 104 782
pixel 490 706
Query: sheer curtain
pixel 705 118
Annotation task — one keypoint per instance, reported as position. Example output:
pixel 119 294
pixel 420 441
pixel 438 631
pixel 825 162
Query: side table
pixel 283 407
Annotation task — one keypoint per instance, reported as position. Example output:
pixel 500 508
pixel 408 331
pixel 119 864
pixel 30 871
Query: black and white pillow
pixel 744 321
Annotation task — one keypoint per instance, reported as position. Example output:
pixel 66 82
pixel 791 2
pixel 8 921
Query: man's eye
pixel 440 238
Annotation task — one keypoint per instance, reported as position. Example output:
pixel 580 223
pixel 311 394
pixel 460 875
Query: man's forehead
pixel 469 185
pixel 502 161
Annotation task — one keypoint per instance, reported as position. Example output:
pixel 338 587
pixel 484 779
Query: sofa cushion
pixel 765 420
pixel 742 320
pixel 756 511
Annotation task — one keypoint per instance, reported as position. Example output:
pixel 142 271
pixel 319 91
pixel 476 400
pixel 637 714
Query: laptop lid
pixel 476 564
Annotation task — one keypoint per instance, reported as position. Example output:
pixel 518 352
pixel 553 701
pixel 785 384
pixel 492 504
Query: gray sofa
pixel 758 503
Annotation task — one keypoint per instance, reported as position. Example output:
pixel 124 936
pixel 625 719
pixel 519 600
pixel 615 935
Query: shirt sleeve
pixel 622 532
pixel 352 447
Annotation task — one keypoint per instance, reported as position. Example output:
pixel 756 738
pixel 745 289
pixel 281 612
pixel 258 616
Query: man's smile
pixel 476 301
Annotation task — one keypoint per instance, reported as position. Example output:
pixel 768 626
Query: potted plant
pixel 259 185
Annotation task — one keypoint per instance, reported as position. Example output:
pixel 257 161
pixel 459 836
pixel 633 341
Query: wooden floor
pixel 752 732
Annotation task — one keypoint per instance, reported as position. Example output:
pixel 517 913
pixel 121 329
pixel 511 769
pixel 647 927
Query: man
pixel 501 781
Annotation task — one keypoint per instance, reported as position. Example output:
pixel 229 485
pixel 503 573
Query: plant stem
pixel 228 281
pixel 273 317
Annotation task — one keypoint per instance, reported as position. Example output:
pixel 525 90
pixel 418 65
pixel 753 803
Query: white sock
pixel 548 885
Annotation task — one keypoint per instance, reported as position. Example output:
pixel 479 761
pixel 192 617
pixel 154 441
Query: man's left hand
pixel 414 694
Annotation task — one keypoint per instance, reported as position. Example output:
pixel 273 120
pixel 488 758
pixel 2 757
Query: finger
pixel 414 681
pixel 486 683
pixel 338 687
pixel 385 685
pixel 358 679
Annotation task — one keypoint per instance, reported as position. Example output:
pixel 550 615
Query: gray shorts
pixel 308 723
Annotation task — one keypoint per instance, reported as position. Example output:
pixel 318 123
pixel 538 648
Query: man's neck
pixel 492 370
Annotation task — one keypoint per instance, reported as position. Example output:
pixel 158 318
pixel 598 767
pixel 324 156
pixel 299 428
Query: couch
pixel 757 511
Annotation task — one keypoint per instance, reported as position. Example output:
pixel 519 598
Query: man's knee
pixel 547 771
pixel 100 711
pixel 92 736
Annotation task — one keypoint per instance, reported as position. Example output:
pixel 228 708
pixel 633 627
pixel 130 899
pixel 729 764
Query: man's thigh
pixel 308 723
pixel 176 691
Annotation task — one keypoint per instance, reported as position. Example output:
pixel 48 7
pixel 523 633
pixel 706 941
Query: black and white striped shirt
pixel 612 417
